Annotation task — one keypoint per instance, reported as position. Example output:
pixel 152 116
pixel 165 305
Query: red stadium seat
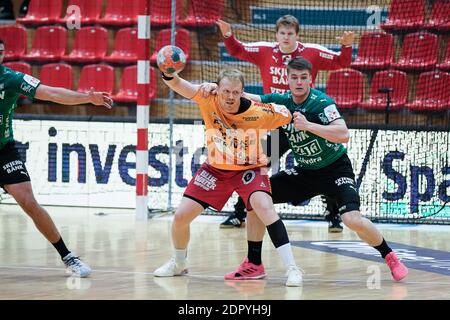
pixel 90 11
pixel 49 44
pixel 90 45
pixel 97 76
pixel 128 85
pixel 445 64
pixel 405 15
pixel 161 12
pixel 125 47
pixel 397 80
pixel 346 87
pixel 182 40
pixel 57 75
pixel 42 12
pixel 432 92
pixel 440 16
pixel 419 52
pixel 19 66
pixel 15 39
pixel 201 14
pixel 122 13
pixel 376 50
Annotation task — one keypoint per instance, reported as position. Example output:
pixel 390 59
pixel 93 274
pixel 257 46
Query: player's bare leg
pixel 23 194
pixel 367 231
pixel 187 211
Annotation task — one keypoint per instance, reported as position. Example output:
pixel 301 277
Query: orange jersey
pixel 234 140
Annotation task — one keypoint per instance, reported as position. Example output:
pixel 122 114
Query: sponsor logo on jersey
pixel 277 90
pixel 205 180
pixel 331 112
pixel 344 180
pixel 13 166
pixel 248 176
pixel 326 55
pixel 309 149
pixel 26 87
pixel 265 107
pixel 252 118
pixel 286 58
pixel 251 49
pixel 32 81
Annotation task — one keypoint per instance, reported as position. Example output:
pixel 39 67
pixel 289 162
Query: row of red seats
pixel 345 86
pixel 432 91
pixel 410 15
pixel 123 13
pixel 420 51
pixel 90 44
pixel 98 76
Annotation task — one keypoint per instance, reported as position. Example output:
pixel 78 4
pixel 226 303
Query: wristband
pixel 166 77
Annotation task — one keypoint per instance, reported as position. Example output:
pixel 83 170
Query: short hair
pixel 2 42
pixel 288 21
pixel 232 74
pixel 299 63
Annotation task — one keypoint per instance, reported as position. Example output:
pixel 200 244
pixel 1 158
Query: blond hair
pixel 231 74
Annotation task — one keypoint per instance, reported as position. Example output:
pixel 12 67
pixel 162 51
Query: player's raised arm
pixel 225 28
pixel 171 60
pixel 180 86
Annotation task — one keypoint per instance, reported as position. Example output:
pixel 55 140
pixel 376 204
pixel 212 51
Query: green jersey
pixel 310 151
pixel 12 85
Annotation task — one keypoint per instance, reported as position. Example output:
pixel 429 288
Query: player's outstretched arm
pixel 180 86
pixel 70 97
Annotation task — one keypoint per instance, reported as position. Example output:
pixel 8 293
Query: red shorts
pixel 213 187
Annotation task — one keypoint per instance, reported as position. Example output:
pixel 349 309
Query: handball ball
pixel 171 59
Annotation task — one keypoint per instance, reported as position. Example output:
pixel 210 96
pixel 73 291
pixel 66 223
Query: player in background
pixel 14 177
pixel 271 58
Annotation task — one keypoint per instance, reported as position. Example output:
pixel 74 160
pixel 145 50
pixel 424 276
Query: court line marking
pixel 199 276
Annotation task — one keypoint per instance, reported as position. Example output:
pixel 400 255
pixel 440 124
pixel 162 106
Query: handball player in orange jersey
pixel 235 162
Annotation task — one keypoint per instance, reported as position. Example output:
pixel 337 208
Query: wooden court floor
pixel 123 254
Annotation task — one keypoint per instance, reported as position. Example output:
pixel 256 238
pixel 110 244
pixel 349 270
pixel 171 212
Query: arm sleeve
pixel 268 98
pixel 250 52
pixel 331 113
pixel 23 84
pixel 330 60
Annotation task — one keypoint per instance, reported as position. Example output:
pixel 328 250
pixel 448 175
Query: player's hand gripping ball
pixel 171 59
